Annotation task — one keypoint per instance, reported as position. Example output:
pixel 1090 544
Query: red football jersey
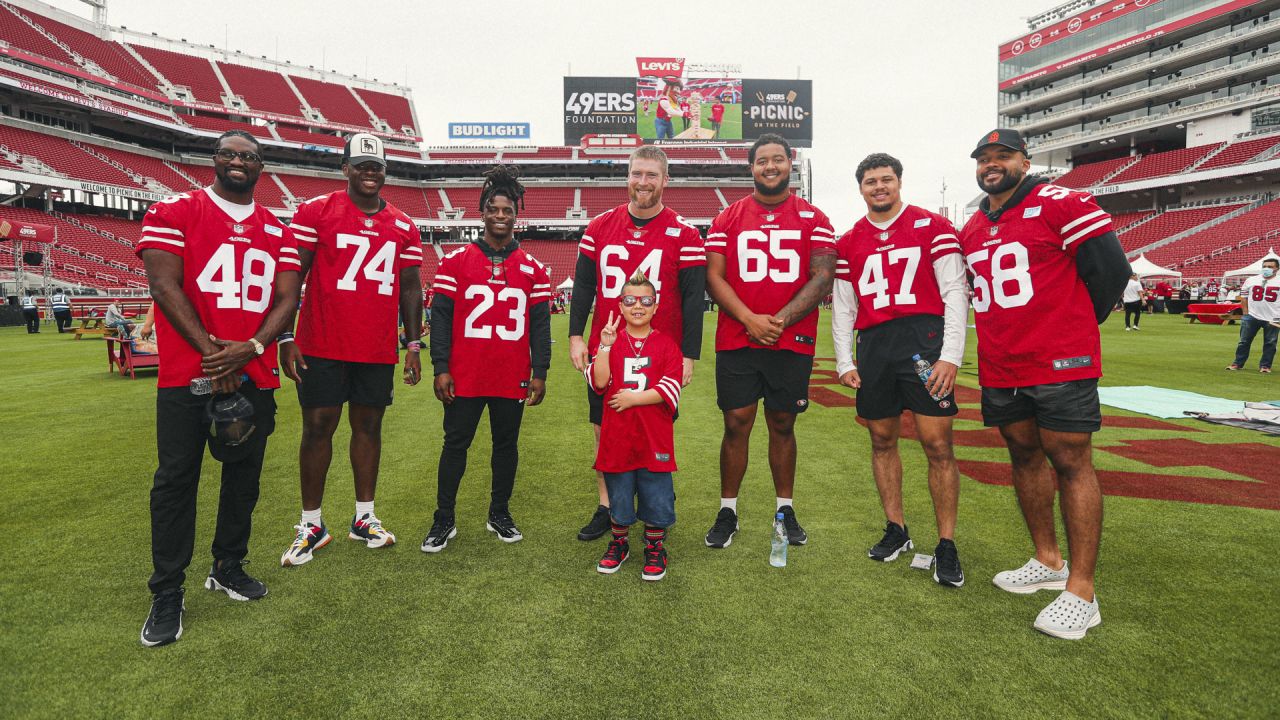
pixel 661 249
pixel 351 308
pixel 229 269
pixel 892 269
pixel 1033 312
pixel 641 437
pixel 767 253
pixel 490 354
pixel 717 112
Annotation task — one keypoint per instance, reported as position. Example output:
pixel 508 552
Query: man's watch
pixel 258 349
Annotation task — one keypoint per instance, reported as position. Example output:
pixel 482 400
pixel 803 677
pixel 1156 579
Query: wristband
pixel 414 346
pixel 285 337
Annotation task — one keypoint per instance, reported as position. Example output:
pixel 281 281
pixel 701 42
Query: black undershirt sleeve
pixel 540 339
pixel 441 332
pixel 1104 270
pixel 693 288
pixel 584 293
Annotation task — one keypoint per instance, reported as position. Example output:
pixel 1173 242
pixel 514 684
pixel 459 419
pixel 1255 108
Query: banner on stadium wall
pixel 26 178
pixel 14 230
pixel 598 105
pixel 784 107
pixel 489 131
pixel 660 67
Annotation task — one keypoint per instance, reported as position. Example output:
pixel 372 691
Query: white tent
pixel 1255 268
pixel 1145 268
pixel 566 285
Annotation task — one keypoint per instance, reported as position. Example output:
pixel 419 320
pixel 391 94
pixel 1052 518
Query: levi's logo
pixel 1031 212
pixel 673 232
pixel 660 65
pixel 922 222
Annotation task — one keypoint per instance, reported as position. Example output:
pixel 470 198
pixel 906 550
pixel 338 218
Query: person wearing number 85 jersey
pixel 491 348
pixel 771 258
pixel 1046 268
pixel 1260 306
pixel 900 283
pixel 642 236
pixel 224 276
pixel 361 258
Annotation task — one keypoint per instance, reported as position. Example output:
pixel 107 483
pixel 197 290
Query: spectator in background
pixel 31 312
pixel 1197 292
pixel 61 309
pixel 115 319
pixel 1132 299
pixel 1164 292
pixel 1233 294
pixel 1184 292
pixel 717 116
pixel 1260 305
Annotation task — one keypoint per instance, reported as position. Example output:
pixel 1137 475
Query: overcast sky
pixel 912 78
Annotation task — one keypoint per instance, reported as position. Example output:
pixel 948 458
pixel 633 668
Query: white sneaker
pixel 1031 577
pixel 1069 617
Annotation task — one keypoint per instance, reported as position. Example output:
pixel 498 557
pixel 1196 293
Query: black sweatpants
pixel 33 320
pixel 461 417
pixel 1134 310
pixel 182 432
pixel 63 317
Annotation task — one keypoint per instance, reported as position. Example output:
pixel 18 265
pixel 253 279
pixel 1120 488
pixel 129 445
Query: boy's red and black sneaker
pixel 614 556
pixel 655 562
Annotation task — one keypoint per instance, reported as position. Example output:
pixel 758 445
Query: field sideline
pixel 1188 591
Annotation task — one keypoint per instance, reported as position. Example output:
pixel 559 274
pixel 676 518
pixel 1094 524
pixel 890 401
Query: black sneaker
pixel 721 534
pixel 655 562
pixel 442 531
pixel 598 526
pixel 795 534
pixel 895 540
pixel 946 565
pixel 231 579
pixel 504 527
pixel 164 623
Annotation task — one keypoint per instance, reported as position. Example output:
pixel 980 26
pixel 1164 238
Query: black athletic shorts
pixel 889 380
pixel 1065 407
pixel 746 375
pixel 330 383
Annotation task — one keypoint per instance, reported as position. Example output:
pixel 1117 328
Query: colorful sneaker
pixel 234 581
pixel 795 534
pixel 504 527
pixel 721 533
pixel 1264 370
pixel 1031 577
pixel 164 622
pixel 614 555
pixel 655 562
pixel 369 529
pixel 1069 617
pixel 895 541
pixel 598 526
pixel 1233 366
pixel 442 531
pixel 946 565
pixel 308 540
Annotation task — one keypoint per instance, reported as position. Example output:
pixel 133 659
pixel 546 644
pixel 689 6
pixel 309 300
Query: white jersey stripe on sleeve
pixel 1080 221
pixel 1101 223
pixel 175 243
pixel 162 230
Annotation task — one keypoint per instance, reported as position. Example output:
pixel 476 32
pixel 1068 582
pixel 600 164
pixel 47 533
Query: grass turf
pixel 484 629
pixel 730 127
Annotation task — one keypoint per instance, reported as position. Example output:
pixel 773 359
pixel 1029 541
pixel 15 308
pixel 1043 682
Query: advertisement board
pixel 784 107
pixel 598 105
pixel 489 131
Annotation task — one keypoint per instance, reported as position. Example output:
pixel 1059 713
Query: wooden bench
pixel 126 360
pixel 90 326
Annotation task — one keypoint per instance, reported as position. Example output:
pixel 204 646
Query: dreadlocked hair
pixel 502 180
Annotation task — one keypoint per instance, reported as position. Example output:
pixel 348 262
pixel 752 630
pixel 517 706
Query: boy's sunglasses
pixel 645 300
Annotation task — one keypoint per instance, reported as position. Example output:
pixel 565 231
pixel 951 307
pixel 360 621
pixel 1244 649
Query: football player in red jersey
pixel 643 235
pixel 638 372
pixel 771 258
pixel 224 276
pixel 361 258
pixel 900 282
pixel 1046 268
pixel 491 318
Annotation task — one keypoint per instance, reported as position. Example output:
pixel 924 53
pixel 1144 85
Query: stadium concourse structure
pixel 98 122
pixel 1167 111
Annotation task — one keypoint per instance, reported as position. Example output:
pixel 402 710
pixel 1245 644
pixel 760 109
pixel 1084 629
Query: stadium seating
pixel 736 192
pixel 692 153
pixel 1240 152
pixel 1171 223
pixel 195 73
pixel 305 187
pixel 430 261
pixel 1091 174
pixel 1257 222
pixel 62 156
pixel 597 199
pixel 298 135
pixel 1120 221
pixel 333 100
pixel 465 198
pixel 542 153
pixel 261 89
pixel 561 256
pixel 392 108
pixel 411 200
pixel 446 155
pixel 21 35
pixel 81 248
pixel 221 125
pixel 546 202
pixel 108 55
pixel 692 202
pixel 1163 163
pixel 202 173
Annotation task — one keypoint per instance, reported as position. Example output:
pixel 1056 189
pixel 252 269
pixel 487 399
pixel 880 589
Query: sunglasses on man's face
pixel 644 300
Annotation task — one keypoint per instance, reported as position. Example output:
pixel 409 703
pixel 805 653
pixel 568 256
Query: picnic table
pixel 90 325
pixel 1213 313
pixel 126 359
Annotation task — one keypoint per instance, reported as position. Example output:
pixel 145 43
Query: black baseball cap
pixel 232 416
pixel 1005 137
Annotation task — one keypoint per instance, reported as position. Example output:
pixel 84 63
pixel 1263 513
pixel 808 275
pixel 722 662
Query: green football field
pixel 1188 587
pixel 730 127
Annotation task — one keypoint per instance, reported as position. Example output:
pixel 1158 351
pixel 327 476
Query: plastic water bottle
pixel 778 548
pixel 202 385
pixel 925 370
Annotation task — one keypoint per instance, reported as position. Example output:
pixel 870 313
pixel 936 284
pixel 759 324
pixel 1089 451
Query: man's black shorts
pixel 330 383
pixel 746 375
pixel 1065 407
pixel 889 380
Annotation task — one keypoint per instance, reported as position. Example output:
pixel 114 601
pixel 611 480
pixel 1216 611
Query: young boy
pixel 638 372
